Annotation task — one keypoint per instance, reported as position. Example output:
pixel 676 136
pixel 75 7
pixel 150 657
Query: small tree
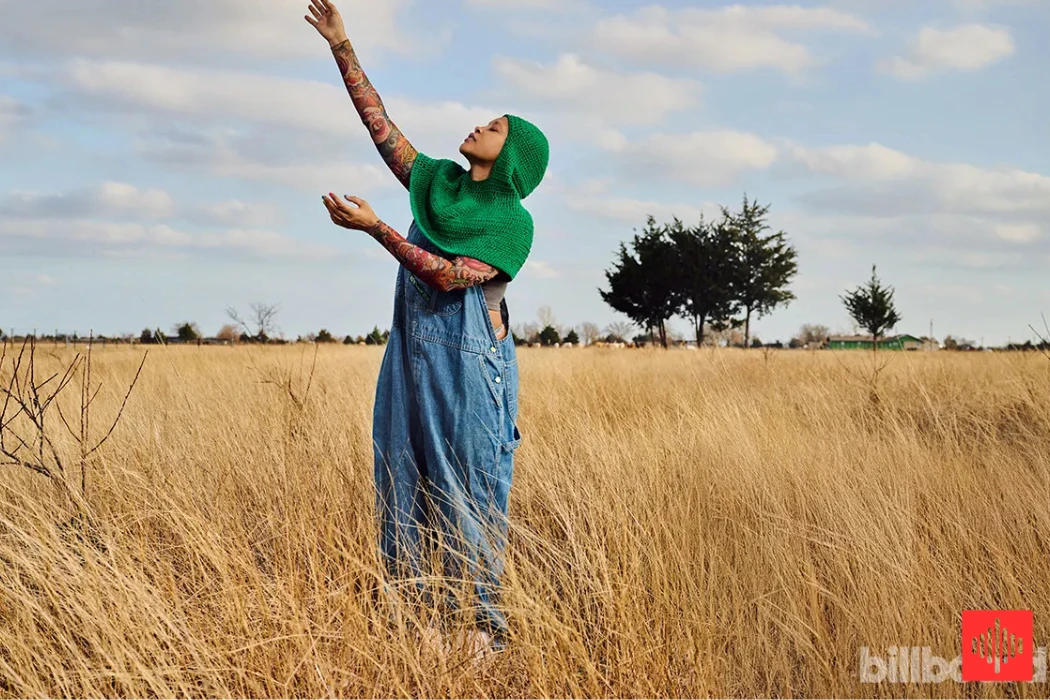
pixel 228 333
pixel 871 307
pixel 324 337
pixel 813 334
pixel 348 340
pixel 187 332
pixel 548 336
pixel 375 337
pixel 590 332
pixel 263 320
pixel 618 332
pixel 147 337
pixel 528 332
pixel 546 316
pixel 571 337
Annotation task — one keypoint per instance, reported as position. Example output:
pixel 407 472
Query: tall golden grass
pixel 717 522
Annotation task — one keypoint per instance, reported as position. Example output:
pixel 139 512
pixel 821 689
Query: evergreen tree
pixel 766 264
pixel 187 332
pixel 375 337
pixel 643 285
pixel 872 307
pixel 549 336
pixel 706 273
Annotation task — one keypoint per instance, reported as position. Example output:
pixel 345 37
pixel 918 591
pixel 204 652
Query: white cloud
pixel 118 202
pixel 935 256
pixel 214 95
pixel 596 197
pixel 293 112
pixel 522 4
pixel 967 47
pixel 227 154
pixel 892 182
pixel 299 133
pixel 192 30
pixel 1019 233
pixel 538 268
pixel 704 158
pixel 873 161
pixel 983 5
pixel 952 215
pixel 110 199
pixel 13 114
pixel 728 39
pixel 86 238
pixel 573 85
pixel 235 213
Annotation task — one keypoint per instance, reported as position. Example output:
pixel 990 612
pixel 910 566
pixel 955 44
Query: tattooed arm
pixel 392 144
pixel 435 270
pixel 438 272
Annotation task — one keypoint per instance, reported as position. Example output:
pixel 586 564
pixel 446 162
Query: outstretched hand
pixel 327 21
pixel 360 217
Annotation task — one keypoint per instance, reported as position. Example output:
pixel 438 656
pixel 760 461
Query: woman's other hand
pixel 360 216
pixel 327 21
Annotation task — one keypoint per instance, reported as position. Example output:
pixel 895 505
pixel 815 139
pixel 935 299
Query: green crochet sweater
pixel 484 220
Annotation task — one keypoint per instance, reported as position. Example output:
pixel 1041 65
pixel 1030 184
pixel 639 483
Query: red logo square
pixel 997 645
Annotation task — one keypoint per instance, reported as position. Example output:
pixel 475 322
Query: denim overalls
pixel 444 433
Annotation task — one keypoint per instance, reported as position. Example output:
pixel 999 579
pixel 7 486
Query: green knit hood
pixel 484 220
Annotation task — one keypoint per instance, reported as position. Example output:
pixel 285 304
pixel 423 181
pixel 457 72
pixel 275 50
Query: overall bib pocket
pixel 434 301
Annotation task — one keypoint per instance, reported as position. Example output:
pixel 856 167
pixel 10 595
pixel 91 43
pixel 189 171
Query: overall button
pixel 498 380
pixel 492 349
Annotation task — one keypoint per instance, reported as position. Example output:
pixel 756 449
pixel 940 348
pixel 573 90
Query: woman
pixel 444 422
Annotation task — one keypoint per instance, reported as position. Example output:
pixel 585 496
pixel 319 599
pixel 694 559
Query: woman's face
pixel 485 142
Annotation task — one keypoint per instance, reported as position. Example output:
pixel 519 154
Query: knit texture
pixel 484 220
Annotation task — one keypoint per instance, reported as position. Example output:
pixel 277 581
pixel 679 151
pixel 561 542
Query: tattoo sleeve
pixel 392 144
pixel 436 271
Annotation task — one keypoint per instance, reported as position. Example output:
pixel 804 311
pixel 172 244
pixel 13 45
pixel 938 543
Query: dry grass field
pixel 716 522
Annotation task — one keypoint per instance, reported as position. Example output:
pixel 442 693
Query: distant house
pixel 864 342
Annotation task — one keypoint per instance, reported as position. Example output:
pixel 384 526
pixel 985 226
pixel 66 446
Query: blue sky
pixel 163 161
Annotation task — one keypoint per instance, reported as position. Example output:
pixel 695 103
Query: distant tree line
pixel 717 275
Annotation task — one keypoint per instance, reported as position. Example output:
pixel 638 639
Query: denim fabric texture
pixel 444 434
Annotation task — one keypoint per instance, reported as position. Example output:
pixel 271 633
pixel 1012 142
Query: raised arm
pixel 395 149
